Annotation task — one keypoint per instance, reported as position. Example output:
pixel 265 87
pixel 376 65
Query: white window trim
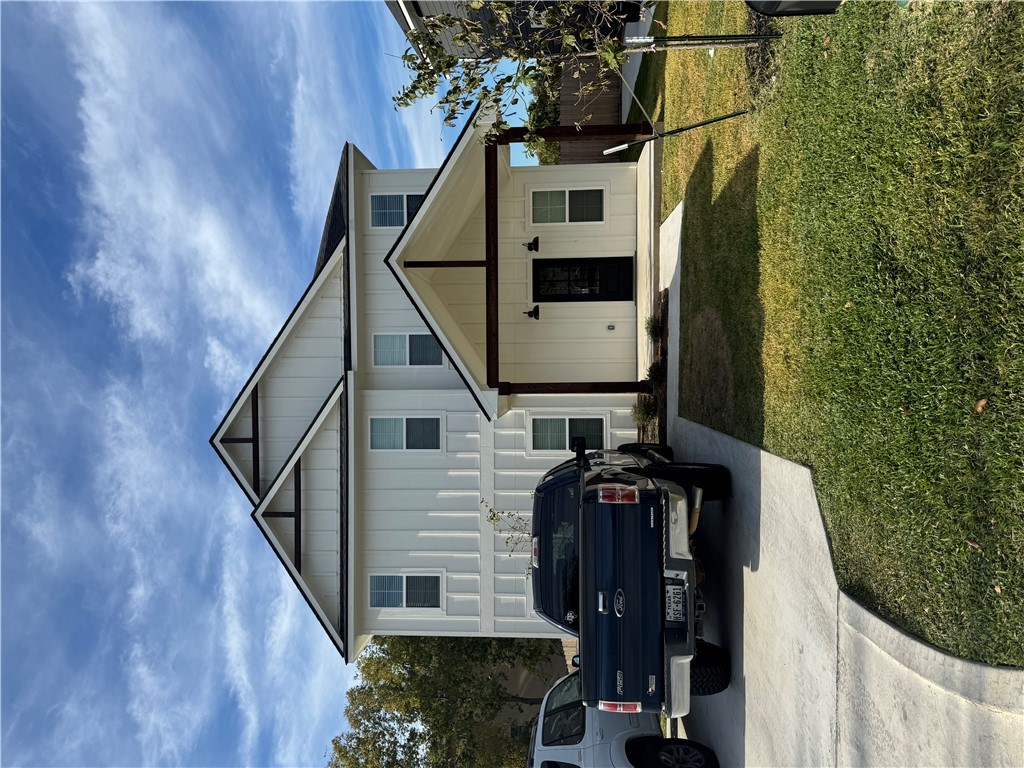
pixel 442 575
pixel 405 207
pixel 439 415
pixel 408 350
pixel 565 416
pixel 567 189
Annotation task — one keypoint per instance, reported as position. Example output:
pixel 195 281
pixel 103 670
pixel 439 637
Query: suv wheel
pixel 710 670
pixel 679 753
pixel 665 451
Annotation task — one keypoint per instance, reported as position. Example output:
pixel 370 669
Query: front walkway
pixel 818 680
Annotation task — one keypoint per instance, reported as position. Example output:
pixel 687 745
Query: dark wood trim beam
pixel 573 387
pixel 256 441
pixel 446 264
pixel 297 478
pixel 624 132
pixel 236 440
pixel 491 252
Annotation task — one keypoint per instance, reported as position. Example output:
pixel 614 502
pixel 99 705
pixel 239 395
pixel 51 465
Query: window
pixel 586 279
pixel 397 433
pixel 405 591
pixel 564 718
pixel 573 206
pixel 417 349
pixel 556 434
pixel 393 210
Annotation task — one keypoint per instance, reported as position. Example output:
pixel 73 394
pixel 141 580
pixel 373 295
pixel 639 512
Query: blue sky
pixel 166 170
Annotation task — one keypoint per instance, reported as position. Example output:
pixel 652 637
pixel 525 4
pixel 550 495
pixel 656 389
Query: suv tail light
pixel 618 494
pixel 536 553
pixel 619 706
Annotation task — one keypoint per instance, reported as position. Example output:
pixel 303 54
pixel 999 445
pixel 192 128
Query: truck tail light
pixel 536 553
pixel 618 494
pixel 619 706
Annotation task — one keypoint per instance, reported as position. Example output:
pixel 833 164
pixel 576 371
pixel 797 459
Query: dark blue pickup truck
pixel 613 564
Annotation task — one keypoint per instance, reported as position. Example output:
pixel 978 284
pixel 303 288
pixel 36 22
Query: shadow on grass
pixel 721 376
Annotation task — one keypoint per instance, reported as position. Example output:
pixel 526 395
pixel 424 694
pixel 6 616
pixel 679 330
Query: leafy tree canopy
pixel 539 40
pixel 435 702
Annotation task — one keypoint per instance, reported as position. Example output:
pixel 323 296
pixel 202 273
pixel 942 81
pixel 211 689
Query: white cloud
pixel 235 642
pixel 177 225
pixel 190 621
pixel 421 126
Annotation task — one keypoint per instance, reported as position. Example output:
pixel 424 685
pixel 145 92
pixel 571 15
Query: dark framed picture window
pixel 583 279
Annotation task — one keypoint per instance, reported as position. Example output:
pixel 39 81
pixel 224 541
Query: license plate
pixel 674 605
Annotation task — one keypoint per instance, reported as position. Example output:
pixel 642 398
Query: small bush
pixel 654 326
pixel 657 371
pixel 645 410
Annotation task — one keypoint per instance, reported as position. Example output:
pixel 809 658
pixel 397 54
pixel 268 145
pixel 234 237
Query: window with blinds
pixel 405 591
pixel 556 434
pixel 567 206
pixel 406 349
pixel 398 433
pixel 393 210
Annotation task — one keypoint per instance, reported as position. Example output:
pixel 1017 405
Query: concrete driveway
pixel 818 680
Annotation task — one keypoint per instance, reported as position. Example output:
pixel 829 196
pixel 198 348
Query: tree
pixel 436 702
pixel 466 51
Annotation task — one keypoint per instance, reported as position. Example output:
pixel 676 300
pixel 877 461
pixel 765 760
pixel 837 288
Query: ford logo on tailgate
pixel 620 603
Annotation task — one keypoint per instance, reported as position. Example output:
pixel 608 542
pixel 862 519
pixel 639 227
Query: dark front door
pixel 583 279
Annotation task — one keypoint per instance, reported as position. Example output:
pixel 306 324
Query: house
pixel 462 324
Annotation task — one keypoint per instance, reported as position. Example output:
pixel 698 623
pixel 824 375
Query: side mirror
pixel 576 661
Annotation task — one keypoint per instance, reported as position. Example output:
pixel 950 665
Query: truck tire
pixel 643 448
pixel 679 753
pixel 713 479
pixel 710 670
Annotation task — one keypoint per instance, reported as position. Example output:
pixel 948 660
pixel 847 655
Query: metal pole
pixel 673 132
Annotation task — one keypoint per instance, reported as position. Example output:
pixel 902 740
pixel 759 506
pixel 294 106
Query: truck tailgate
pixel 621 601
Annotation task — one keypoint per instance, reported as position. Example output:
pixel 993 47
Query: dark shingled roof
pixel 337 215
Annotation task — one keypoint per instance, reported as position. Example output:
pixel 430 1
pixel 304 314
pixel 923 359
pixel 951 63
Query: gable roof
pixel 321 600
pixel 444 203
pixel 332 253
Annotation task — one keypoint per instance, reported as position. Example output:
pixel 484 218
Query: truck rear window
pixel 559 544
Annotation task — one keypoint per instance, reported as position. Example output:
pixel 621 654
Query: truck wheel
pixel 679 753
pixel 714 479
pixel 710 669
pixel 642 448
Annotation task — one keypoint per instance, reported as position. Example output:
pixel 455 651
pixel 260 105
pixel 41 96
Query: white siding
pixel 572 341
pixel 320 568
pixel 384 306
pixel 304 369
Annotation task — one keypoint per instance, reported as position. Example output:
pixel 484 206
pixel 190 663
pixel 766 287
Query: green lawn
pixel 853 288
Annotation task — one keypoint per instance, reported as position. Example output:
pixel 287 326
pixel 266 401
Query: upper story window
pixel 393 210
pixel 562 206
pixel 405 591
pixel 556 434
pixel 412 349
pixel 405 433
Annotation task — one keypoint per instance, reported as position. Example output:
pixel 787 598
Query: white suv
pixel 570 735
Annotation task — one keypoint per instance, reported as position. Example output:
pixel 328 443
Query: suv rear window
pixel 558 510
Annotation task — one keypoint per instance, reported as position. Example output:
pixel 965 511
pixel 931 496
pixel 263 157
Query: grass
pixel 853 289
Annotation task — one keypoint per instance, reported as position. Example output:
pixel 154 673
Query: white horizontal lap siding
pixel 419 511
pixel 572 341
pixel 383 305
pixel 321 520
pixel 297 381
